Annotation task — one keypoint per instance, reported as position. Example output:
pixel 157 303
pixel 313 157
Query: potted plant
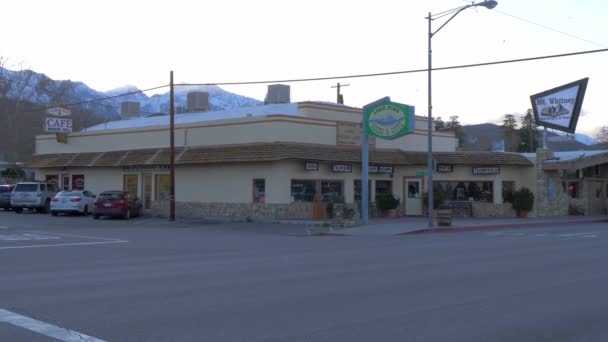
pixel 437 199
pixel 523 201
pixel 388 203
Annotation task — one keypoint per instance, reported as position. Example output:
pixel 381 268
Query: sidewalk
pixel 419 225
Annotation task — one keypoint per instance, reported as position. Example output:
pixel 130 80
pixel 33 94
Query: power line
pixel 527 59
pixel 95 100
pixel 550 28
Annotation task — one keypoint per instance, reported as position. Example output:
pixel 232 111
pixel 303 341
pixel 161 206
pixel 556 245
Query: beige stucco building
pixel 280 161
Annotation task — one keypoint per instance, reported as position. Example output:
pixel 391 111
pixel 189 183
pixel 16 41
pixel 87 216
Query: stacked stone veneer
pixel 236 211
pixel 484 209
pixel 561 202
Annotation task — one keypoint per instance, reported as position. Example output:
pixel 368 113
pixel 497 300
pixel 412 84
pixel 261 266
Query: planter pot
pixel 522 213
pixel 392 213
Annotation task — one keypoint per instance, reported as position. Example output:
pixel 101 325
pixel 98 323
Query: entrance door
pixel 595 197
pixel 413 196
pixel 146 194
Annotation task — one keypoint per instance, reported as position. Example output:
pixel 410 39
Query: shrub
pixel 523 200
pixel 329 208
pixel 387 201
pixel 437 199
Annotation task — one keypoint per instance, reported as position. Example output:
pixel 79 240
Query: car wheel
pixel 18 210
pixel 54 213
pixel 86 210
pixel 95 216
pixel 127 214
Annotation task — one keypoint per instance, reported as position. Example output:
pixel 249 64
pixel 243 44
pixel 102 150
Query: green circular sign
pixel 388 120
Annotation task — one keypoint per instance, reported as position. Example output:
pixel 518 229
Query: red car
pixel 117 204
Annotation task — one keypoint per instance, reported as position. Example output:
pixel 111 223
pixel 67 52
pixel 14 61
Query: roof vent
pixel 278 93
pixel 129 109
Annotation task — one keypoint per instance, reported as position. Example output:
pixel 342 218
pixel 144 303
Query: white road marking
pixel 66 244
pixel 76 236
pixel 43 328
pixel 3 227
pixel 577 234
pixel 26 237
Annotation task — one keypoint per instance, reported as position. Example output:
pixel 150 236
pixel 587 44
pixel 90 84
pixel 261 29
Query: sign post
pixel 385 120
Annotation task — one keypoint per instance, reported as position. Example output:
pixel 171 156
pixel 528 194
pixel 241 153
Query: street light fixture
pixel 489 4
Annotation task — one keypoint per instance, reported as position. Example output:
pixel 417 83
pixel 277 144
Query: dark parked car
pixel 117 204
pixel 5 196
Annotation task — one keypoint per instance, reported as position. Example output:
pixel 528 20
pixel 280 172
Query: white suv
pixel 33 195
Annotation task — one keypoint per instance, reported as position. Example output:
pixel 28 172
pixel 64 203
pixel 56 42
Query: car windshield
pixel 27 187
pixel 69 193
pixel 110 196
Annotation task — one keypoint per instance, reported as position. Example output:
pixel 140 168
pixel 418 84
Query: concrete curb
pixel 495 227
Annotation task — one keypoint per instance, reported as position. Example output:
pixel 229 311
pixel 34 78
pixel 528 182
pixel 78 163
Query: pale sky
pixel 108 44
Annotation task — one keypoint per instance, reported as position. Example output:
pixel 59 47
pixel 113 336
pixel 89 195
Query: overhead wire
pixel 526 59
pixel 550 28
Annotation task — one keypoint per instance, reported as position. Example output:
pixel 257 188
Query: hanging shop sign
pixel 380 169
pixel 445 168
pixel 342 168
pixel 56 125
pixel 311 166
pixel 486 170
pixel 388 120
pixel 559 108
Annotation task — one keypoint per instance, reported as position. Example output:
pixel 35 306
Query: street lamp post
pixel 489 4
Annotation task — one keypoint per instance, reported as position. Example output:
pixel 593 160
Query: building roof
pixel 261 152
pixel 575 159
pixel 234 113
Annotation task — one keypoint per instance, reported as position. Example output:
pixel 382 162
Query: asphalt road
pixel 144 280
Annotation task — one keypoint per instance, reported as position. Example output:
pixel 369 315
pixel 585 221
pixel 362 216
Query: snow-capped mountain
pixel 39 89
pixel 582 138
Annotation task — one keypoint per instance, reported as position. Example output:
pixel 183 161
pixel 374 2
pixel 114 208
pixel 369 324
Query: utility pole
pixel 171 150
pixel 339 97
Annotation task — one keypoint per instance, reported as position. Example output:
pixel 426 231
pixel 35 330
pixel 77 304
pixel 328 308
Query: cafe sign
pixel 486 170
pixel 56 125
pixel 388 120
pixel 559 108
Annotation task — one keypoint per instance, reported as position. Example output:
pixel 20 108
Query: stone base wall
pixel 236 211
pixel 482 209
pixel 346 215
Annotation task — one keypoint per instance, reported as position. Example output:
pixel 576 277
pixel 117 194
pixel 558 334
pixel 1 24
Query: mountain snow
pixel 40 89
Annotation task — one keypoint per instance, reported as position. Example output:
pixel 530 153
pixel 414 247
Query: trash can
pixel 444 215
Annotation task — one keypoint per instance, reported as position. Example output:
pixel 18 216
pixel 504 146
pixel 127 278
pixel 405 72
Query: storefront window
pixel 331 190
pixel 130 184
pixel 259 191
pixel 383 187
pixel 467 191
pixel 357 187
pixel 303 190
pixel 162 185
pixel 77 182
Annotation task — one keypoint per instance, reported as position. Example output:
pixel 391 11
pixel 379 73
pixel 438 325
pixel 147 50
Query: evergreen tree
pixel 454 126
pixel 439 124
pixel 509 132
pixel 528 133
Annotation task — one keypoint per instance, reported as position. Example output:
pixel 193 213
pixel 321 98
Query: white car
pixel 73 202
